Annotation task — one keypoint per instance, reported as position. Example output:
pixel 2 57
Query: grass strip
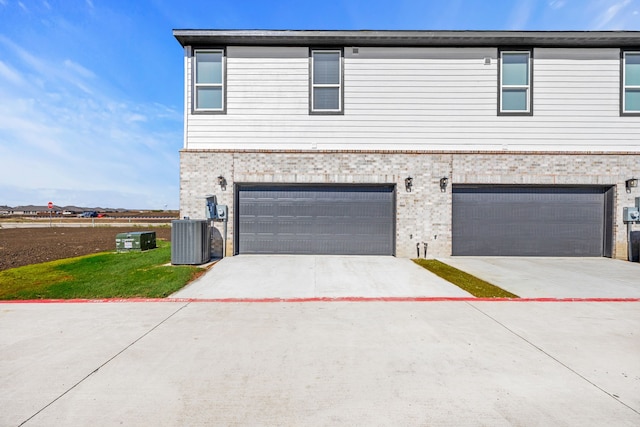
pixel 104 275
pixel 475 286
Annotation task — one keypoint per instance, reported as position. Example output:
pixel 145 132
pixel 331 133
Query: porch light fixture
pixel 408 184
pixel 631 183
pixel 443 184
pixel 222 182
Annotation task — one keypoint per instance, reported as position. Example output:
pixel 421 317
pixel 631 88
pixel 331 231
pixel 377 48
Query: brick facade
pixel 422 215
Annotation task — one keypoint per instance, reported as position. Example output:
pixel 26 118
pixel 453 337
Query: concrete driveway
pixel 317 276
pixel 449 363
pixel 300 276
pixel 532 277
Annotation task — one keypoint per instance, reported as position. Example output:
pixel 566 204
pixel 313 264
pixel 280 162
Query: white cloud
pixel 23 7
pixel 78 69
pixel 612 17
pixel 520 15
pixel 3 2
pixel 136 118
pixel 557 4
pixel 10 74
pixel 69 72
pixel 64 132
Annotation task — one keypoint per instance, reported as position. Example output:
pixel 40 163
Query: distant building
pixel 72 210
pixel 389 142
pixel 29 210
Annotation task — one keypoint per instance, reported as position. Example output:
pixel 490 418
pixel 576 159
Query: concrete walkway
pixel 533 277
pixel 322 364
pixel 311 276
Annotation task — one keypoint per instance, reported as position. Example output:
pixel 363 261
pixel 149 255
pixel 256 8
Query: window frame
pixel 623 85
pixel 195 85
pixel 528 86
pixel 340 85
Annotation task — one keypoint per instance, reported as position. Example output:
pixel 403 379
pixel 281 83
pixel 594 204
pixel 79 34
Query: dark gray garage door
pixel 289 219
pixel 532 221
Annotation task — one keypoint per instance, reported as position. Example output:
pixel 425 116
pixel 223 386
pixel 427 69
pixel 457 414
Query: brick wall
pixel 424 214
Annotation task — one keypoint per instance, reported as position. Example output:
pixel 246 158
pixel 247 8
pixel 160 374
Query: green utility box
pixel 135 241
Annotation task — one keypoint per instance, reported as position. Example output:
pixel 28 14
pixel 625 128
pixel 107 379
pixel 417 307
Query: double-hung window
pixel 630 82
pixel 515 82
pixel 209 77
pixel 326 81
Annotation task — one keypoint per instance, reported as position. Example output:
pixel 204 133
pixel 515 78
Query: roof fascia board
pixel 189 37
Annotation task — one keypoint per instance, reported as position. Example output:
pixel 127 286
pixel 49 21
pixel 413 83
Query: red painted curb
pixel 314 299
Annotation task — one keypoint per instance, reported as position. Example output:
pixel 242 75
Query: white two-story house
pixel 389 142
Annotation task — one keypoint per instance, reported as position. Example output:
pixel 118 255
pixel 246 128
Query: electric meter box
pixel 222 212
pixel 630 214
pixel 135 241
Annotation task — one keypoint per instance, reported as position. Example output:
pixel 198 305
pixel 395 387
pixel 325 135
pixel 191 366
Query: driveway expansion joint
pixel 104 364
pixel 611 395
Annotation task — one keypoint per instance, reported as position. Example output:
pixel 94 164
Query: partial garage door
pixel 291 219
pixel 532 221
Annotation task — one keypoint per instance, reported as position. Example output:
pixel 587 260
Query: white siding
pixel 417 99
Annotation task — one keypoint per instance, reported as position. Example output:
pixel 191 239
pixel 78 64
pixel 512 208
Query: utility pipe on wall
pixel 629 245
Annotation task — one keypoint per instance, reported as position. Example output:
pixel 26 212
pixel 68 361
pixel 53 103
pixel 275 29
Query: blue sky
pixel 91 96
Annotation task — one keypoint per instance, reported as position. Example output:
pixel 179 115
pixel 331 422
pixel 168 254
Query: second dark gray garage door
pixel 292 219
pixel 532 221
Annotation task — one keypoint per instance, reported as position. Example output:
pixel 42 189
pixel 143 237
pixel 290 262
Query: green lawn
pixel 104 275
pixel 475 286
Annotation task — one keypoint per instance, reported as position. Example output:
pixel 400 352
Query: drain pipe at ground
pixel 224 241
pixel 629 244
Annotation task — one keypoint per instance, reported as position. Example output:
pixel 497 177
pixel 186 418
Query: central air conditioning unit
pixel 190 242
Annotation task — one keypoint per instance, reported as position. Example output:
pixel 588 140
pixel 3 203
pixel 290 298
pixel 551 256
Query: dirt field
pixel 24 246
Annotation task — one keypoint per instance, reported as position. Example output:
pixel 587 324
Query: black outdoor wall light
pixel 443 183
pixel 631 183
pixel 408 184
pixel 222 182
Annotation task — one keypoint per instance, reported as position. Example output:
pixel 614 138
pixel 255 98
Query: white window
pixel 326 81
pixel 209 80
pixel 631 83
pixel 515 82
